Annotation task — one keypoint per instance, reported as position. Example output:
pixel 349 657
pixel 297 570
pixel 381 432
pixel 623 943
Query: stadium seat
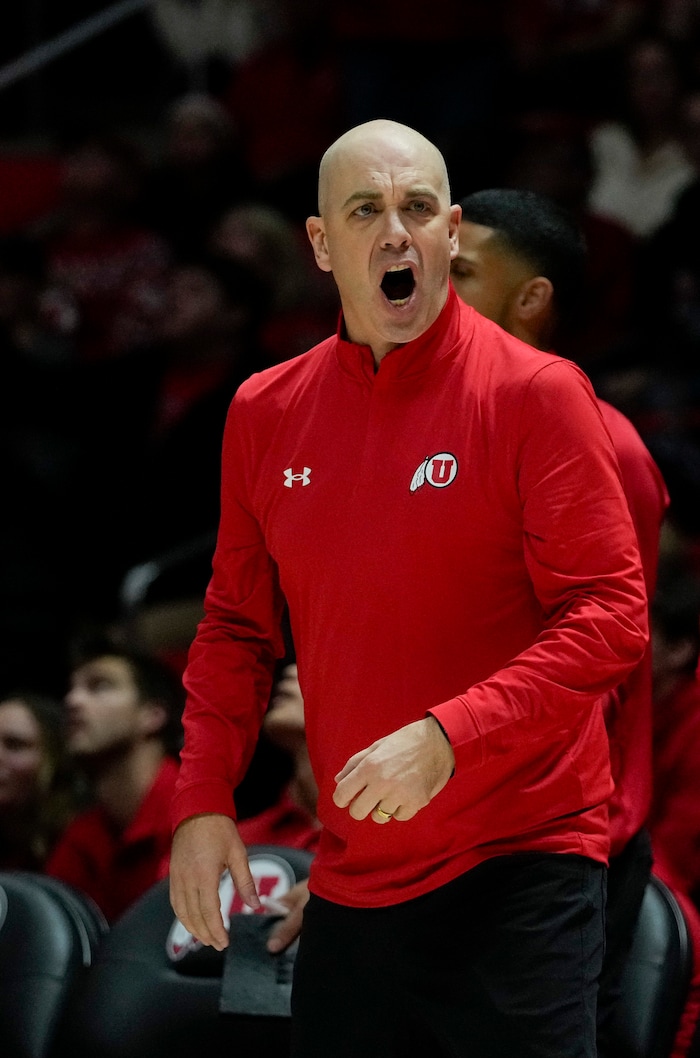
pixel 155 991
pixel 49 937
pixel 657 978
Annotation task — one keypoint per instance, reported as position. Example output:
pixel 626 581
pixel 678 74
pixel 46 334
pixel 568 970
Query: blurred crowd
pixel 150 279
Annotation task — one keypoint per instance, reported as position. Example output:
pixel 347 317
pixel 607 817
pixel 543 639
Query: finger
pixel 178 902
pixel 205 915
pixel 286 930
pixel 364 804
pixel 350 766
pixel 198 909
pixel 382 814
pixel 351 787
pixel 403 812
pixel 242 878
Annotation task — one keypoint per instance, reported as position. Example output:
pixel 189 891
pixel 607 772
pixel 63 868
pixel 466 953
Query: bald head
pixel 388 137
pixel 387 231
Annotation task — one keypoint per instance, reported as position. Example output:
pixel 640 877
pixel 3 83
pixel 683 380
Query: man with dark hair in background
pixel 521 263
pixel 124 731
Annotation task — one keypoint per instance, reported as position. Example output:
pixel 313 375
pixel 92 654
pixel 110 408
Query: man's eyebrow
pixel 373 195
pixel 362 196
pixel 422 192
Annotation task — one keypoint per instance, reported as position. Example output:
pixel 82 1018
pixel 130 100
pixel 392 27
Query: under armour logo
pixel 290 477
pixel 439 471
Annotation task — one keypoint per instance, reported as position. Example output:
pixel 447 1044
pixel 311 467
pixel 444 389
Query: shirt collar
pixel 453 326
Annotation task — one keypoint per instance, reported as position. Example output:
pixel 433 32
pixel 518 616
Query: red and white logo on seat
pixel 273 878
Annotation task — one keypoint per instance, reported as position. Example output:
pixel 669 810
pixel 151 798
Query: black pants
pixel 628 875
pixel 502 962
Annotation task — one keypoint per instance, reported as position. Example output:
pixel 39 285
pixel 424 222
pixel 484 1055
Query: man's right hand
pixel 202 848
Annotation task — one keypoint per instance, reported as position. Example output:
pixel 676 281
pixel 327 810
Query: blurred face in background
pixel 652 82
pixel 104 711
pixel 22 758
pixel 194 302
pixel 486 276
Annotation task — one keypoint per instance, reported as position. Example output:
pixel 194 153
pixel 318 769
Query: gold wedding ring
pixel 383 814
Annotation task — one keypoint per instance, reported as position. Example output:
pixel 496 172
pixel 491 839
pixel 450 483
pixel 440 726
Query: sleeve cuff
pixel 202 798
pixel 457 721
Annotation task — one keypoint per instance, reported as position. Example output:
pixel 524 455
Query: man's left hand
pixel 397 775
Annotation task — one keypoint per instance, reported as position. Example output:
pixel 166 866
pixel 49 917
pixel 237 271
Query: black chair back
pixel 154 991
pixel 657 977
pixel 49 937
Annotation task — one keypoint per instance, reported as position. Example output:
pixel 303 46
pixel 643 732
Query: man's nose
pixel 71 699
pixel 395 231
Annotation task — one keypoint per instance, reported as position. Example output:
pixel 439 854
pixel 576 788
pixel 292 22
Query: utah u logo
pixel 290 477
pixel 439 471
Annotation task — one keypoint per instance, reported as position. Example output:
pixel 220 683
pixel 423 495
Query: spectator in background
pixel 566 53
pixel 105 275
pixel 520 260
pixel 292 819
pixel 178 392
pixel 302 303
pixel 674 820
pixel 283 97
pixel 456 102
pixel 200 172
pixel 108 268
pixel 552 156
pixel 660 385
pixel 123 731
pixel 670 295
pixel 40 459
pixel 640 163
pixel 39 790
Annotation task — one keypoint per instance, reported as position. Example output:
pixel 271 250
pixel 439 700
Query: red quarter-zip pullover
pixel 451 536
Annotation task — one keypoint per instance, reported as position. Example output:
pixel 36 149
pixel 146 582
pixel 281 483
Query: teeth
pixel 400 301
pixel 398 268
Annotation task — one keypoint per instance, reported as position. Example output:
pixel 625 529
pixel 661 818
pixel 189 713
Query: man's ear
pixel 535 300
pixel 455 221
pixel 316 231
pixel 153 718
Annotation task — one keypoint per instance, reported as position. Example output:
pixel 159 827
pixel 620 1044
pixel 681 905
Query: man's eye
pixel 16 745
pixel 420 207
pixel 365 210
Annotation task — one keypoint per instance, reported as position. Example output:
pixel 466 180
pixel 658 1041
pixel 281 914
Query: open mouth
pixel 398 284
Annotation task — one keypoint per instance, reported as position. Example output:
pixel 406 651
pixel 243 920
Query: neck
pixel 528 334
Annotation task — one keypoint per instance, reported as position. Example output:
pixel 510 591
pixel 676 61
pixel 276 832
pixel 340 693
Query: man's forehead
pixel 413 186
pixel 394 170
pixel 106 664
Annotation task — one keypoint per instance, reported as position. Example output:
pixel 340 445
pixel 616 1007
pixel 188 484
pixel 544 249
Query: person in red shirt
pixel 440 507
pixel 674 821
pixel 123 718
pixel 521 258
pixel 39 792
pixel 291 819
pixel 674 818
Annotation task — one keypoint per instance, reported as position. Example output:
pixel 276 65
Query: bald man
pixel 440 506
